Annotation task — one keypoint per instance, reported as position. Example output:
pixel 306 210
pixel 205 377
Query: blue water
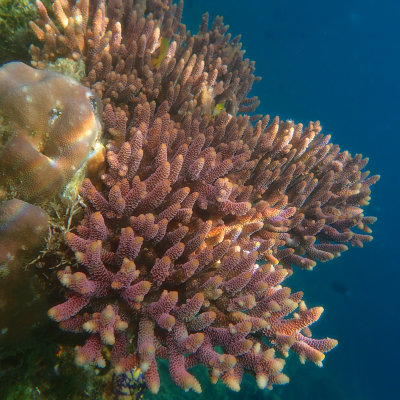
pixel 338 62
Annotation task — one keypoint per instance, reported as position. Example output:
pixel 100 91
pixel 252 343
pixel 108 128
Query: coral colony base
pixel 200 210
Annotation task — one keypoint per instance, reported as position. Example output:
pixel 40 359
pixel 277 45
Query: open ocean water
pixel 337 62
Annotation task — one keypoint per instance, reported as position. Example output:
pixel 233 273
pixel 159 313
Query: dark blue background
pixel 337 62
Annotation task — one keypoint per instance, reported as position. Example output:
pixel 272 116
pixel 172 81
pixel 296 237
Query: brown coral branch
pixel 194 195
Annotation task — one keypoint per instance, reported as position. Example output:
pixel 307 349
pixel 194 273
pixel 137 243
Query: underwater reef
pixel 170 234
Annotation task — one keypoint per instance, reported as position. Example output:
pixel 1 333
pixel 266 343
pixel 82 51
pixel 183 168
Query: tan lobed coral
pixel 49 130
pixel 52 127
pixel 23 228
pixel 195 194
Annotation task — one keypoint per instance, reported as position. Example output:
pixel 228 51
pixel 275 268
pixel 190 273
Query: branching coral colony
pixel 203 210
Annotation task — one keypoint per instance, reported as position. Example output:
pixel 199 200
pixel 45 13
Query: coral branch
pixel 195 196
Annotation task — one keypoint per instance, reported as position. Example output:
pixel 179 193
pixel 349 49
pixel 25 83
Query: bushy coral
pixel 203 210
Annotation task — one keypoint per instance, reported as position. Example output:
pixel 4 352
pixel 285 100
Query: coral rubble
pixel 203 210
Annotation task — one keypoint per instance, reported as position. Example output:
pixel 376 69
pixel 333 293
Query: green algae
pixel 38 368
pixel 15 33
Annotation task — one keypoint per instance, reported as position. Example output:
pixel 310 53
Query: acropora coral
pixel 204 208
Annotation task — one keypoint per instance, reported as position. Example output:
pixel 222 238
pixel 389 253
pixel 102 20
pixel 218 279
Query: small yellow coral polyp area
pixel 52 127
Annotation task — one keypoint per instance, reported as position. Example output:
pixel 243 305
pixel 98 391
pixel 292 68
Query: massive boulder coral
pixel 51 128
pixel 203 210
pixel 23 228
